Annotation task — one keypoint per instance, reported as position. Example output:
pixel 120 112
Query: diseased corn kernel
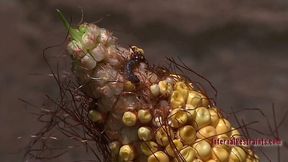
pixel 129 118
pixel 223 126
pixel 207 132
pixel 176 146
pixel 98 53
pixel 214 116
pixel 149 147
pixel 187 134
pixel 165 87
pixel 145 133
pixel 203 149
pixel 126 153
pixel 177 100
pixel 220 154
pixel 158 156
pixel 164 135
pixel 237 154
pixel 129 86
pixel 188 154
pixel 114 147
pixel 88 62
pixel 95 116
pixel 155 90
pixel 178 118
pixel 202 118
pixel 75 48
pixel 144 116
pixel 88 40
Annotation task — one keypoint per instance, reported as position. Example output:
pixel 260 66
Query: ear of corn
pixel 172 120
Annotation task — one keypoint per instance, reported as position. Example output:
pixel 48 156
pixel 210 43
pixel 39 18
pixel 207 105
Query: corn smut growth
pixel 148 113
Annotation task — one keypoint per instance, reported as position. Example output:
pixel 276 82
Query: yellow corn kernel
pixel 206 132
pixel 202 118
pixel 149 147
pixel 165 87
pixel 182 87
pixel 155 89
pixel 178 99
pixel 158 156
pixel 178 118
pixel 223 126
pixel 144 116
pixel 129 118
pixel 164 135
pixel 187 134
pixel 188 154
pixel 126 153
pixel 194 98
pixel 223 137
pixel 197 160
pixel 176 146
pixel 204 100
pixel 215 115
pixel 145 133
pixel 95 116
pixel 220 154
pixel 191 113
pixel 212 160
pixel 203 149
pixel 235 133
pixel 237 154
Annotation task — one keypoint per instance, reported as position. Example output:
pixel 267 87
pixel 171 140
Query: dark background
pixel 240 46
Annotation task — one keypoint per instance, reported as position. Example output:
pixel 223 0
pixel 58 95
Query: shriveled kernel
pixel 164 135
pixel 114 147
pixel 165 87
pixel 223 126
pixel 88 62
pixel 145 133
pixel 237 154
pixel 172 148
pixel 95 116
pixel 206 132
pixel 187 134
pixel 220 154
pixel 126 153
pixel 178 99
pixel 144 116
pixel 148 148
pixel 203 149
pixel 129 118
pixel 178 117
pixel 188 153
pixel 202 118
pixel 155 89
pixel 158 156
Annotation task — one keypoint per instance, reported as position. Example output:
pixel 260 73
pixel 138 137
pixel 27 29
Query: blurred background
pixel 240 46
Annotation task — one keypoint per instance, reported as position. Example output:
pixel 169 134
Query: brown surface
pixel 240 46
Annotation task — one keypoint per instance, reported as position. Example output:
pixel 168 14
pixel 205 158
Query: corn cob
pixel 149 115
